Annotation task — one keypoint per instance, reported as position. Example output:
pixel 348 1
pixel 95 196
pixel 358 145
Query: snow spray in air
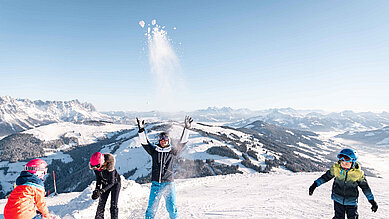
pixel 164 65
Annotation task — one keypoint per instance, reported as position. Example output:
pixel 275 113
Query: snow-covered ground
pixel 274 195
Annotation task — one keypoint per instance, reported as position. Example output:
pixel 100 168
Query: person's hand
pixel 312 188
pixel 141 124
pixel 96 194
pixel 188 122
pixel 374 205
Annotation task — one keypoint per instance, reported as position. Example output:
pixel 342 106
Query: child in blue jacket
pixel 348 177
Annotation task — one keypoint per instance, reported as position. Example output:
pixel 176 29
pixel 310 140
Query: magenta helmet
pixel 97 160
pixel 37 167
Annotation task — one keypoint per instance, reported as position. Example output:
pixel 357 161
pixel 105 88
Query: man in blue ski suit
pixel 163 158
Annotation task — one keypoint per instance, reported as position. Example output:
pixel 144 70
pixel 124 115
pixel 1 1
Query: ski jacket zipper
pixel 344 188
pixel 160 169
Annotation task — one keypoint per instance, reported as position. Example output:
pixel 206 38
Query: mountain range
pixel 223 140
pixel 22 114
pixel 17 115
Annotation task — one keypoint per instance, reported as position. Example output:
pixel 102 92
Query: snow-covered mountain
pixel 17 115
pixel 211 114
pixel 48 139
pixel 212 150
pixel 377 137
pixel 319 122
pixel 310 120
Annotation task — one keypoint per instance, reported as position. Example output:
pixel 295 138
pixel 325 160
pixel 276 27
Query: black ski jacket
pixel 163 162
pixel 163 159
pixel 108 177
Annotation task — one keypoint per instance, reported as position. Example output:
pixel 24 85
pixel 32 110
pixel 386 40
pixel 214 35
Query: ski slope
pixel 274 195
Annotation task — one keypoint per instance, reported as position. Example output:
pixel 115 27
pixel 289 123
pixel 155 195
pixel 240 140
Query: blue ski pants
pixel 168 191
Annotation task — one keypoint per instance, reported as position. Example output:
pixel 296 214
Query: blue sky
pixel 330 55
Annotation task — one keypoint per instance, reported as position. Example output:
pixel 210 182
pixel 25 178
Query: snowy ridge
pixel 85 134
pixel 376 137
pixel 21 114
pixel 315 121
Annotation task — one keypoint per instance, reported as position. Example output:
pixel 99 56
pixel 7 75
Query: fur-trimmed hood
pixel 109 162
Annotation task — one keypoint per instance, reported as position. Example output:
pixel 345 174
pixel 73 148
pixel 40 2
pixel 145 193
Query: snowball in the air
pixel 142 23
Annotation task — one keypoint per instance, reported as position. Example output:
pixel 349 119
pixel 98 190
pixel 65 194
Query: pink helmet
pixel 37 167
pixel 97 160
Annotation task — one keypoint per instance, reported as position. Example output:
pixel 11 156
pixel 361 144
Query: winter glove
pixel 374 205
pixel 141 125
pixel 188 122
pixel 96 194
pixel 312 188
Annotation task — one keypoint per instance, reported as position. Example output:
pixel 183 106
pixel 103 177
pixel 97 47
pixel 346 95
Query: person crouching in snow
pixel 107 181
pixel 27 200
pixel 348 176
pixel 163 157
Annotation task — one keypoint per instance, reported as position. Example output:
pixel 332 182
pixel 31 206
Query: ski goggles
pixel 44 170
pixel 344 157
pixel 94 166
pixel 163 139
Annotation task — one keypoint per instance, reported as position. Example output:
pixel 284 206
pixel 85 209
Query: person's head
pixel 38 167
pixel 347 158
pixel 96 161
pixel 163 140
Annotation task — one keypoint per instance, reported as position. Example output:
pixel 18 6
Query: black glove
pixel 188 122
pixel 312 188
pixel 96 194
pixel 374 205
pixel 141 124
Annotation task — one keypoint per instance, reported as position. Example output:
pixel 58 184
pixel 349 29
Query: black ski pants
pixel 114 190
pixel 341 210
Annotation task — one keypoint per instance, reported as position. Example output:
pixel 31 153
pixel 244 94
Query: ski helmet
pixel 96 160
pixel 348 155
pixel 163 139
pixel 38 167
